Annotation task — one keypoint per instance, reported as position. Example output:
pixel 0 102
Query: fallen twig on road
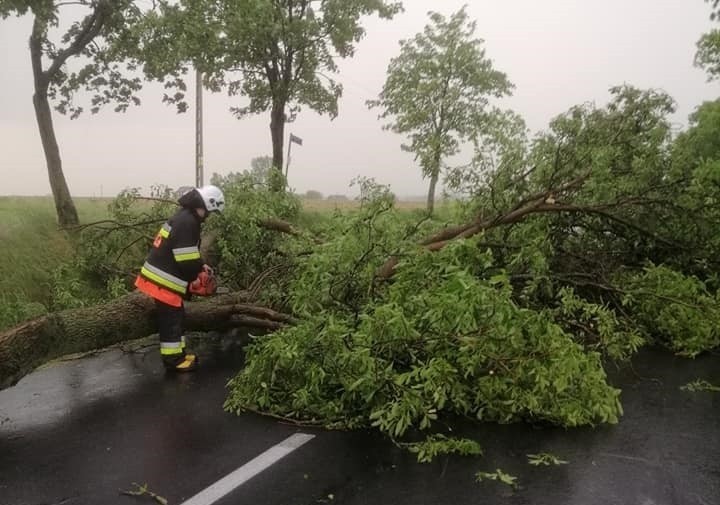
pixel 143 491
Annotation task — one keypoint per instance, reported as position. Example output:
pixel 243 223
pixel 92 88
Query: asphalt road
pixel 79 431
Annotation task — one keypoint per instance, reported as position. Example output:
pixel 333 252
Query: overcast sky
pixel 558 53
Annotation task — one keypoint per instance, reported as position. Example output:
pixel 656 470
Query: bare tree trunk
pixel 277 132
pixel 431 194
pixel 435 175
pixel 64 206
pixel 33 343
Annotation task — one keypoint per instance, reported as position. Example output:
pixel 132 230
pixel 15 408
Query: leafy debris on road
pixel 545 459
pixel 143 491
pixel 699 386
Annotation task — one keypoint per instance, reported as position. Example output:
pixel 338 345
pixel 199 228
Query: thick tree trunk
pixel 277 132
pixel 31 344
pixel 64 206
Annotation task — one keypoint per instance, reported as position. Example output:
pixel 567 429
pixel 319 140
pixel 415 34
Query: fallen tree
pixel 590 243
pixel 605 244
pixel 35 342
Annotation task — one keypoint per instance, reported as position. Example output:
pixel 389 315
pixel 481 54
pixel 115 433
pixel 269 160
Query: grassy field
pixel 328 205
pixel 33 248
pixel 36 254
pixel 31 244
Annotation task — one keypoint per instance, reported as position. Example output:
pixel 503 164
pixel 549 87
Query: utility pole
pixel 198 129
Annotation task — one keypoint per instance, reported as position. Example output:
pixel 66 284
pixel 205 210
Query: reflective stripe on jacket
pixel 174 259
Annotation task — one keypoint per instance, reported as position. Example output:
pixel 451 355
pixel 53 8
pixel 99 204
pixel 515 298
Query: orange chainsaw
pixel 205 284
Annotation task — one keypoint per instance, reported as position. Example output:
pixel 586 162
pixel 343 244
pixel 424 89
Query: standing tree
pixel 438 89
pixel 99 24
pixel 277 53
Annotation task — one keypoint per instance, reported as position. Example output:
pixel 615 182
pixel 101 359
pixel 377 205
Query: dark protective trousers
pixel 170 323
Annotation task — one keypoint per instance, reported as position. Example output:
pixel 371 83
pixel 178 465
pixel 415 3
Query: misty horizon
pixel 557 54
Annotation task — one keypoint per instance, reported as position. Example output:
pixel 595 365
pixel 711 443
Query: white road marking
pixel 249 470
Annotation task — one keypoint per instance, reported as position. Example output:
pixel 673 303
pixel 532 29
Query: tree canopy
pixel 601 241
pixel 278 54
pixel 97 29
pixel 707 56
pixel 438 92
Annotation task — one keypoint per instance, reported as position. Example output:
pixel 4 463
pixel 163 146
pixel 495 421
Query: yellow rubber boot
pixel 186 363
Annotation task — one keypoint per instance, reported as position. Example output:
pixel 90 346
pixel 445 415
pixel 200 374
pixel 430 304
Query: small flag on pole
pixel 295 139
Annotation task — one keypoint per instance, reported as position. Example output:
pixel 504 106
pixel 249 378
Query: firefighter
pixel 174 271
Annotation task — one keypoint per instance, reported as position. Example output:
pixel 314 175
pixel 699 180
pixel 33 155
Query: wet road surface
pixel 79 431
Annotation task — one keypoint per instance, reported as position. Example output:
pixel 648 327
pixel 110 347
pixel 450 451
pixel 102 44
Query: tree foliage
pixel 95 28
pixel 260 168
pixel 579 255
pixel 438 92
pixel 675 309
pixel 246 247
pixel 715 4
pixel 240 243
pixel 278 54
pixel 446 337
pixel 98 28
pixel 707 56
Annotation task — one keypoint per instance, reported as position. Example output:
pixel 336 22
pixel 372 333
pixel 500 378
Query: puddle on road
pixel 54 391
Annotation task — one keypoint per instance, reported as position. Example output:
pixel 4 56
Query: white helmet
pixel 213 198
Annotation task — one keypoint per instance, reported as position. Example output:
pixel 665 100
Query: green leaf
pixel 545 459
pixel 700 385
pixel 499 476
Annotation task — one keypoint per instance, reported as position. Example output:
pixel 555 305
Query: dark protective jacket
pixel 174 259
